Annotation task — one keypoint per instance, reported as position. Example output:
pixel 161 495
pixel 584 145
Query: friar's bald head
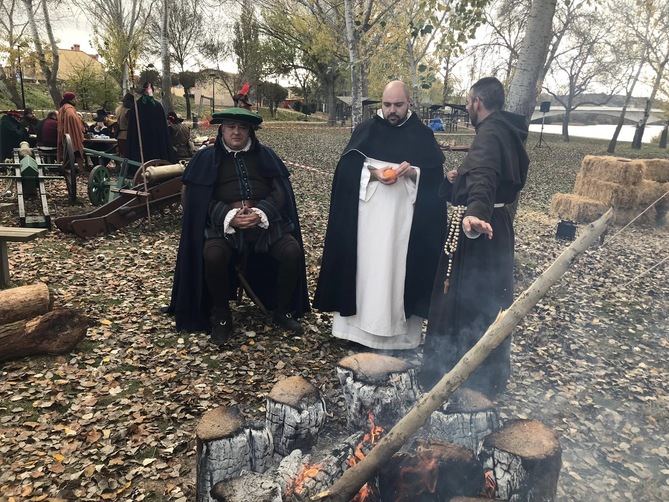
pixel 395 102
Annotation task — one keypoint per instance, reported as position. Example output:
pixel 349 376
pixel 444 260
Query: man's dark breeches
pixel 217 256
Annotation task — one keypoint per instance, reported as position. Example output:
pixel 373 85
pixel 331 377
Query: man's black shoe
pixel 221 328
pixel 285 320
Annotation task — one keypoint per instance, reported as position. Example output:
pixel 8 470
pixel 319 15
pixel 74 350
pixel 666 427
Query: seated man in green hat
pixel 238 206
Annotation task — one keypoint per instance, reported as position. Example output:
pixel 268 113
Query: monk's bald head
pixel 395 102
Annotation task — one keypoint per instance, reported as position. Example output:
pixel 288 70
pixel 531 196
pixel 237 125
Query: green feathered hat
pixel 237 115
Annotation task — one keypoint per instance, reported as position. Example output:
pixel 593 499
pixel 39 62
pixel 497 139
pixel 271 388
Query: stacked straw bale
pixel 629 186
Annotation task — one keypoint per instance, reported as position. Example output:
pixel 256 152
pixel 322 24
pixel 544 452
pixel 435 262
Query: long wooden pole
pixel 350 483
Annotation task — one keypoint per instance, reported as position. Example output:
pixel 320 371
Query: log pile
pixel 381 385
pixel 29 327
pixel 629 186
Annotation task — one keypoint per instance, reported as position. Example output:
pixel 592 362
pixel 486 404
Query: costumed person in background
pixel 69 122
pixel 382 247
pixel 180 136
pixel 30 123
pixel 47 130
pixel 238 205
pixel 155 142
pixel 12 133
pixel 99 128
pixel 475 278
pixel 122 121
pixel 241 99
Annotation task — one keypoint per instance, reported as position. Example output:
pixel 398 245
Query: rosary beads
pixel 451 244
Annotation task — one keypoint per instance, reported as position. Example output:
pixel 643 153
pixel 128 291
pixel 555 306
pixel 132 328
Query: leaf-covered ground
pixel 115 419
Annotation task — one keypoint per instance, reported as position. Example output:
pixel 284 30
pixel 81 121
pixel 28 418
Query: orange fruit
pixel 389 174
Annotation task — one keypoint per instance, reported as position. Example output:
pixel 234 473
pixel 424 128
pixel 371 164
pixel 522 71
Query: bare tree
pixel 584 62
pixel 49 69
pixel 166 80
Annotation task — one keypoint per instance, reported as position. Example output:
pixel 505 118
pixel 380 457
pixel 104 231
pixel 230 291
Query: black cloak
pixel 376 138
pixel 155 138
pixel 481 281
pixel 11 135
pixel 190 300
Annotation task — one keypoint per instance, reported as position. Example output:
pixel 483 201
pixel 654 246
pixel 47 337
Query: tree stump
pixel 467 418
pixel 383 385
pixel 250 487
pixel 525 458
pixel 24 302
pixel 55 332
pixel 437 471
pixel 226 447
pixel 295 414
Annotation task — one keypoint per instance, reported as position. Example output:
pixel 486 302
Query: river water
pixel 601 131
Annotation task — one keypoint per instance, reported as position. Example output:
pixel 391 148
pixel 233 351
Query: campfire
pixel 464 450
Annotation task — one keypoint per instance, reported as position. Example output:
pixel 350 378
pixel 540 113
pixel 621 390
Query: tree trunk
pixel 349 484
pixel 656 85
pixel 54 333
pixel 332 105
pixel 621 119
pixel 354 61
pixel 54 90
pixel 663 137
pixel 24 302
pixel 125 84
pixel 445 93
pixel 166 83
pixel 47 70
pixel 413 70
pixel 565 122
pixel 522 91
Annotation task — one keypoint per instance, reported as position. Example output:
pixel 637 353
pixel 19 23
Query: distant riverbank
pixel 601 131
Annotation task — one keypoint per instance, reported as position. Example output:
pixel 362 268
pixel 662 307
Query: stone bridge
pixel 632 115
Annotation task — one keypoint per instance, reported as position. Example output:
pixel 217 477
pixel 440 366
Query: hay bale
pixel 567 206
pixel 624 216
pixel 606 192
pixel 613 169
pixel 650 191
pixel 656 170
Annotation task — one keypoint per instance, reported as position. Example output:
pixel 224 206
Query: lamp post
pixel 213 90
pixel 23 93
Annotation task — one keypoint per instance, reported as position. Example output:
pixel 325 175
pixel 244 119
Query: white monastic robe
pixel 385 214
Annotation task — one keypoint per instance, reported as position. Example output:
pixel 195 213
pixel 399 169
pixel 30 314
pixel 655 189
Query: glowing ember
pixel 307 472
pixel 367 492
pixel 420 477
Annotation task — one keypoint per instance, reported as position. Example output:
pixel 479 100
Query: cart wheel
pixel 138 179
pixel 99 182
pixel 70 169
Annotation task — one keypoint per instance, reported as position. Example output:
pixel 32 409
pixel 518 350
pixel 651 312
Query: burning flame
pixel 490 485
pixel 420 477
pixel 370 438
pixel 306 472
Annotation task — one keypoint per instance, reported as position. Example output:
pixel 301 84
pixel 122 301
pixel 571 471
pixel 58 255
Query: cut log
pixel 525 458
pixel 349 484
pixel 467 418
pixel 295 414
pixel 437 471
pixel 24 302
pixel 250 487
pixel 226 446
pixel 373 383
pixel 55 332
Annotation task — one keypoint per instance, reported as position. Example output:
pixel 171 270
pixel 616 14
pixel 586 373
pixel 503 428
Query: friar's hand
pixel 387 178
pixel 472 224
pixel 452 175
pixel 405 169
pixel 244 220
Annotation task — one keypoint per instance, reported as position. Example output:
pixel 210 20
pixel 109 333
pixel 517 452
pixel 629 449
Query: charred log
pixel 437 471
pixel 295 415
pixel 525 458
pixel 56 332
pixel 465 419
pixel 226 446
pixel 373 383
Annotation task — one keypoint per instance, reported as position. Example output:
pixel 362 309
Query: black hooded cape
pixel 376 138
pixel 190 301
pixel 481 281
pixel 155 138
